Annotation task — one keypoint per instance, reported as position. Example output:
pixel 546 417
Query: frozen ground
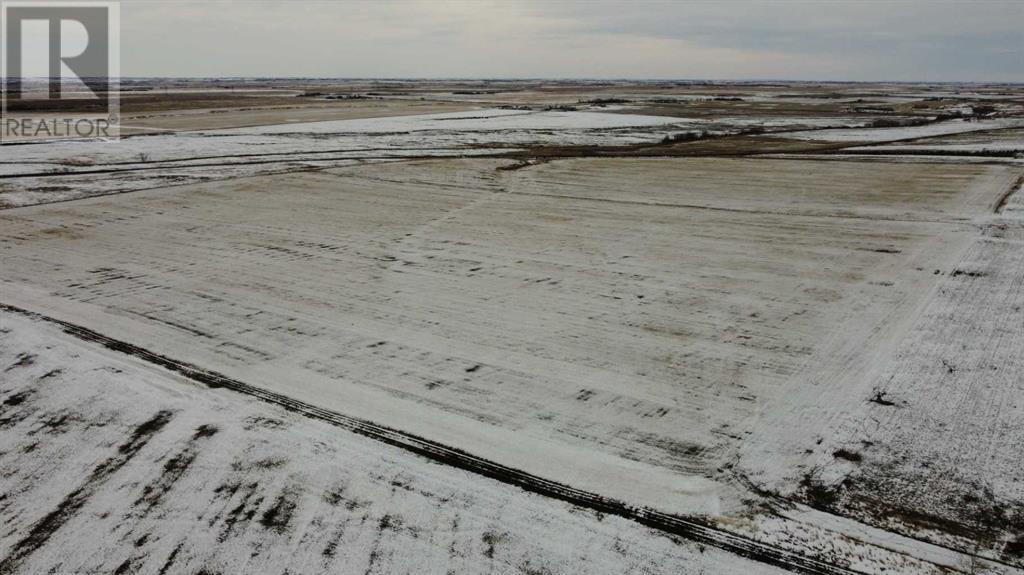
pixel 656 331
pixel 515 302
pixel 110 466
pixel 504 122
pixel 981 142
pixel 812 361
pixel 911 132
pixel 422 134
pixel 60 171
pixel 947 410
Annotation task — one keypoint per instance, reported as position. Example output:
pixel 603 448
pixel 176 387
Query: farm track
pixel 693 529
pixel 176 165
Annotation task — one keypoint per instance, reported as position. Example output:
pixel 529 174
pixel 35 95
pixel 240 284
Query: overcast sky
pixel 911 40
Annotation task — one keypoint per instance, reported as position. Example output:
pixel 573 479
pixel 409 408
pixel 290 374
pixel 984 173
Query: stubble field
pixel 815 358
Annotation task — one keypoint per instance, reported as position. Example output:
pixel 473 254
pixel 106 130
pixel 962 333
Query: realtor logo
pixel 61 68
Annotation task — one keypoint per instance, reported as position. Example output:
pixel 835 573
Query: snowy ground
pixel 819 358
pixel 110 465
pixel 60 171
pixel 980 142
pixel 951 408
pixel 910 132
pixel 558 319
pixel 412 135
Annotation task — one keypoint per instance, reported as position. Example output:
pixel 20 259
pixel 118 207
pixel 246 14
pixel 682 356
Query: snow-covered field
pixel 659 331
pixel 952 409
pixel 425 134
pixel 999 140
pixel 60 171
pixel 110 465
pixel 504 122
pixel 906 133
pixel 802 358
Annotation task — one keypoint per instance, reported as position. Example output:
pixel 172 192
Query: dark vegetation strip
pixel 693 528
pixel 929 152
pixel 174 469
pixel 43 529
pixel 175 161
pixel 298 157
pixel 1005 198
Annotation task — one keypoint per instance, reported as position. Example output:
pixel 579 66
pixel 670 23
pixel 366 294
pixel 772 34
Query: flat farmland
pixel 207 119
pixel 658 331
pixel 177 478
pixel 952 397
